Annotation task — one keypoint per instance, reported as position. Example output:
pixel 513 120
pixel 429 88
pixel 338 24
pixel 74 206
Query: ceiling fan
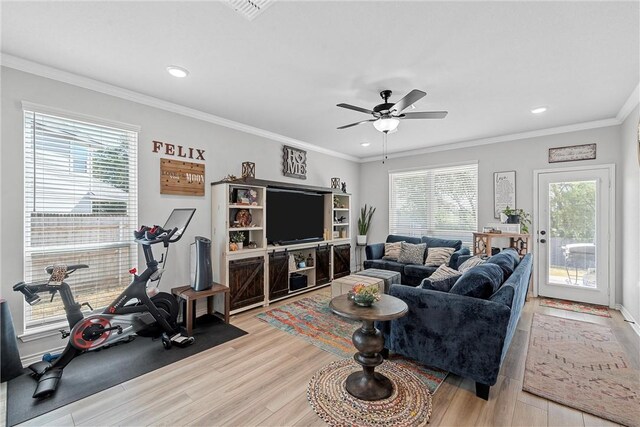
pixel 387 116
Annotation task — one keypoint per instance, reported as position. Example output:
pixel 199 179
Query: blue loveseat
pixel 411 274
pixel 465 335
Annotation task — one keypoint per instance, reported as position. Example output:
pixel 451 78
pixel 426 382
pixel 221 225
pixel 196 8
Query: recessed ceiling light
pixel 365 144
pixel 538 110
pixel 176 71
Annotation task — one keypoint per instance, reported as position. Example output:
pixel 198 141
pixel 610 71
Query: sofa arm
pixel 454 262
pixel 374 251
pixel 461 334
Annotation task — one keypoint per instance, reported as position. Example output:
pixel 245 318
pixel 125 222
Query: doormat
pixel 95 371
pixel 596 310
pixel 582 365
pixel 312 320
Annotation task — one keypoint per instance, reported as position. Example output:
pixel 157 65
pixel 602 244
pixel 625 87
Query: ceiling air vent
pixel 249 8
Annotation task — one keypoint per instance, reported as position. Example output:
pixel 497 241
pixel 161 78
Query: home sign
pixel 181 178
pixel 294 162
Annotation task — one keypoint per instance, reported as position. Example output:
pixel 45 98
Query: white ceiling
pixel 486 63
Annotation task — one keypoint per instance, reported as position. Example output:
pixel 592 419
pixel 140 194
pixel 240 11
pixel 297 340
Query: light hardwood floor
pixel 261 378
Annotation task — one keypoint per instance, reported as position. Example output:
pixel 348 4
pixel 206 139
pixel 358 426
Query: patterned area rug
pixel 597 310
pixel 409 405
pixel 581 365
pixel 312 320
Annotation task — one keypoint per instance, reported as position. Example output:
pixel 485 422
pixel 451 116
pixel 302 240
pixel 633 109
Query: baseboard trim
pixel 629 318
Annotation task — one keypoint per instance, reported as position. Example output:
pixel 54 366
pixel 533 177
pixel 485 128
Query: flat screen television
pixel 294 216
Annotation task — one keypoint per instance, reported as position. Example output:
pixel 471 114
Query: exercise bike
pixel 138 310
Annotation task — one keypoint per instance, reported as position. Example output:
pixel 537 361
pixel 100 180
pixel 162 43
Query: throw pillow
pixel 438 256
pixel 442 279
pixel 480 281
pixel 392 251
pixel 508 260
pixel 471 262
pixel 411 254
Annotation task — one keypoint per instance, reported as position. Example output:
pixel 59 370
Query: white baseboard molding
pixel 629 318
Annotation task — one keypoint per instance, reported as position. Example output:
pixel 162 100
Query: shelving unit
pixel 341 208
pixel 261 275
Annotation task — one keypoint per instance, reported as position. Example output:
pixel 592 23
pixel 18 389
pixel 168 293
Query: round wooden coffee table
pixel 368 384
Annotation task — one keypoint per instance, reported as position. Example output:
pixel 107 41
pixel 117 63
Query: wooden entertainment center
pixel 258 273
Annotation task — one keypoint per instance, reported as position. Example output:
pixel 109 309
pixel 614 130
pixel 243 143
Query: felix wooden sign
pixel 178 150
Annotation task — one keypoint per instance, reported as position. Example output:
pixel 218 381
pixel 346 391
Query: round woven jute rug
pixel 409 405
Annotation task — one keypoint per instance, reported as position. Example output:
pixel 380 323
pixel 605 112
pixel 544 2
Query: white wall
pixel 523 156
pixel 631 215
pixel 225 149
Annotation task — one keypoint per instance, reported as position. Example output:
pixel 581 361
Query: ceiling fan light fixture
pixel 538 110
pixel 176 71
pixel 365 144
pixel 386 124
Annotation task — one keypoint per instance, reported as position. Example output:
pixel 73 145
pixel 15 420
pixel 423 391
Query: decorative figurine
pixel 344 187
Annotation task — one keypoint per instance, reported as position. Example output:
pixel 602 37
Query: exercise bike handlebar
pixel 166 239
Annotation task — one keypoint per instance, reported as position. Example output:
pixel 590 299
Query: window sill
pixel 42 332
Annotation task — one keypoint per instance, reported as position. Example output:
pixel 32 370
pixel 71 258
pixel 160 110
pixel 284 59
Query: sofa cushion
pixel 504 295
pixel 384 264
pixel 438 256
pixel 411 254
pixel 394 238
pixel 434 242
pixel 507 260
pixel 469 263
pixel 392 251
pixel 420 271
pixel 442 279
pixel 480 281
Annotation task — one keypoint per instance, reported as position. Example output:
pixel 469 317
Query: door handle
pixel 543 240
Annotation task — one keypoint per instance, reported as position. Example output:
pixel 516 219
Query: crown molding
pixel 41 70
pixel 629 105
pixel 496 139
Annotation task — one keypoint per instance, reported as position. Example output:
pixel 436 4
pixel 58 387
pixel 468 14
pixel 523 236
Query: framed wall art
pixel 572 153
pixel 294 162
pixel 504 191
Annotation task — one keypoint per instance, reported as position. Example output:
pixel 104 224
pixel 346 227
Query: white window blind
pixel 81 198
pixel 439 202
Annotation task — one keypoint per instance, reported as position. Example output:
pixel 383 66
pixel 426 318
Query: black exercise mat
pixel 93 372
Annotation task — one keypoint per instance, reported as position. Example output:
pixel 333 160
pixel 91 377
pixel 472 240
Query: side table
pixel 189 297
pixel 368 384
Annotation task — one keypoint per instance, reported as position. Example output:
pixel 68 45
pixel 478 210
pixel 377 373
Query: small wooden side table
pixel 517 241
pixel 368 384
pixel 189 297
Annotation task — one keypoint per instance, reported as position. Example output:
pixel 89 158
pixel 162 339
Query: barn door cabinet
pixel 341 261
pixel 246 281
pixel 323 261
pixel 278 275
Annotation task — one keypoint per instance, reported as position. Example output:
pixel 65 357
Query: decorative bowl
pixel 364 300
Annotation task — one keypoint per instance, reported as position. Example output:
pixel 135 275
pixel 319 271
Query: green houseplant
pixel 518 216
pixel 237 239
pixel 364 222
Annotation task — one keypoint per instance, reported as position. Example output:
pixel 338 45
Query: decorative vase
pixel 364 300
pixel 513 219
pixel 351 296
pixel 361 239
pixel 240 245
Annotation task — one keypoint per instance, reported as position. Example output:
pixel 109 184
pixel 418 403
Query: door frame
pixel 611 168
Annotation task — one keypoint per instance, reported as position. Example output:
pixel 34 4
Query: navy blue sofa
pixel 465 335
pixel 411 274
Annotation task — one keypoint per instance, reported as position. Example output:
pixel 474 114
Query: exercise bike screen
pixel 179 219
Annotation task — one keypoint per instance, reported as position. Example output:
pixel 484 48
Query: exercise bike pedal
pixel 182 340
pixel 48 383
pixel 39 368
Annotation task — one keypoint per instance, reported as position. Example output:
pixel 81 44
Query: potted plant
pixel 237 239
pixel 518 216
pixel 364 222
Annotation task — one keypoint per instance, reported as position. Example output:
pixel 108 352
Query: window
pixel 440 202
pixel 81 200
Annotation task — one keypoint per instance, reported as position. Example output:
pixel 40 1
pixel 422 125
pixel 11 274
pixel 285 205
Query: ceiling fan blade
pixel 357 123
pixel 353 107
pixel 424 115
pixel 409 99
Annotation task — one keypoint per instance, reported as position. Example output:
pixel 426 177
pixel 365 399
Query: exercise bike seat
pixel 48 383
pixel 39 368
